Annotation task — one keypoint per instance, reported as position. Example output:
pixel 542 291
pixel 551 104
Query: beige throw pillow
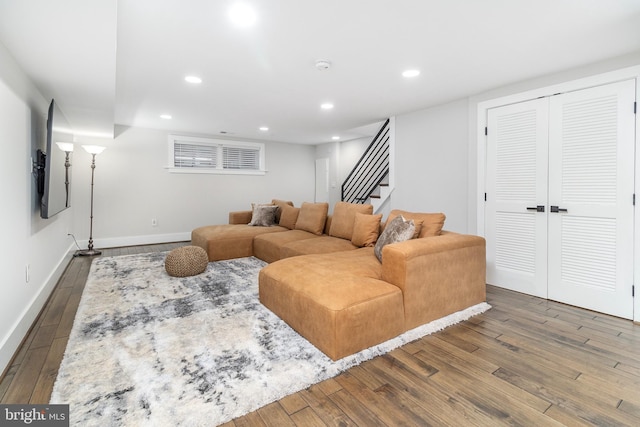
pixel 312 217
pixel 289 216
pixel 280 204
pixel 398 230
pixel 366 229
pixel 344 216
pixel 263 215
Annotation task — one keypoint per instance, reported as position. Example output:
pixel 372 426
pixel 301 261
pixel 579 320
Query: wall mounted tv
pixel 54 165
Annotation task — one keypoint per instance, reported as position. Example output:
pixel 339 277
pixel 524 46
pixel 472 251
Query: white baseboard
pixel 22 325
pixel 151 239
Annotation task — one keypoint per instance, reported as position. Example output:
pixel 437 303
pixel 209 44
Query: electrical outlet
pixel 154 222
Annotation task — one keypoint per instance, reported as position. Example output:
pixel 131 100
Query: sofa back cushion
pixel 432 223
pixel 289 216
pixel 312 217
pixel 343 218
pixel 280 204
pixel 365 229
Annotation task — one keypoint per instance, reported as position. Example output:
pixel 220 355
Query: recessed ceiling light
pixel 326 106
pixel 193 79
pixel 323 64
pixel 165 116
pixel 410 73
pixel 264 128
pixel 242 14
pixel 335 138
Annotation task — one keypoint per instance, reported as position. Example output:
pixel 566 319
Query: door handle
pixel 557 209
pixel 539 208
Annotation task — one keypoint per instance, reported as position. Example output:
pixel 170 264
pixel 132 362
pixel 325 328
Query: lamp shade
pixel 93 149
pixel 67 147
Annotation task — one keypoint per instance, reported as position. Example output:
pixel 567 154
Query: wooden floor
pixel 527 361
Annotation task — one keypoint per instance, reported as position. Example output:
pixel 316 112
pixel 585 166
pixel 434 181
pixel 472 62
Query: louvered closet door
pixel 516 233
pixel 591 175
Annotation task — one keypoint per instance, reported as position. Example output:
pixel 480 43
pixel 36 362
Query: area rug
pixel 147 349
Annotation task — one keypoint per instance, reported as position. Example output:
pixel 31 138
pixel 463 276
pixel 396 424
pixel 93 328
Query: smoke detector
pixel 322 65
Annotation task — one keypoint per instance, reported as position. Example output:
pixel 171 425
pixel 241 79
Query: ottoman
pixel 186 261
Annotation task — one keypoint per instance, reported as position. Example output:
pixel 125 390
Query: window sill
pixel 216 171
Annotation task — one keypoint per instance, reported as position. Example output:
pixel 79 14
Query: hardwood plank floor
pixel 527 361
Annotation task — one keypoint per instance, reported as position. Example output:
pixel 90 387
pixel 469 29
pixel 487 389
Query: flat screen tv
pixel 54 165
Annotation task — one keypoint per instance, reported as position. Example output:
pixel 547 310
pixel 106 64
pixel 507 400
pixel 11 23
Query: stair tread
pixel 373 196
pixel 383 185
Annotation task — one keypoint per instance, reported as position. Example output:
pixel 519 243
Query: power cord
pixel 75 241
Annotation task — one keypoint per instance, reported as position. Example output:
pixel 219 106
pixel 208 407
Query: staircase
pixel 371 179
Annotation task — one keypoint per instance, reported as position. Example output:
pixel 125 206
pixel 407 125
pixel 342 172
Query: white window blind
pixel 194 156
pixel 240 158
pixel 205 155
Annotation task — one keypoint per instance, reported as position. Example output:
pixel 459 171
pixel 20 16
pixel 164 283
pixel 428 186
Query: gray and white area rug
pixel 147 349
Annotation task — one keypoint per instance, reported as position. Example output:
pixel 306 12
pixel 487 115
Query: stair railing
pixel 370 170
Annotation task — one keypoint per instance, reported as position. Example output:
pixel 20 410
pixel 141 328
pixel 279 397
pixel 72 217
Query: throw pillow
pixel 366 229
pixel 398 230
pixel 263 215
pixel 312 217
pixel 289 216
pixel 432 223
pixel 344 215
pixel 280 204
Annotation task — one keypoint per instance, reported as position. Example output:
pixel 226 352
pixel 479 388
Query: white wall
pixel 331 151
pixel 431 163
pixel 27 240
pixel 342 156
pixel 350 153
pixel 132 186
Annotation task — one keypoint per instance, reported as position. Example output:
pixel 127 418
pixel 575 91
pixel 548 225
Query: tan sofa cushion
pixel 366 229
pixel 240 217
pixel 336 301
pixel 312 217
pixel 270 249
pixel 319 245
pixel 289 216
pixel 432 223
pixel 280 204
pixel 344 216
pixel 229 241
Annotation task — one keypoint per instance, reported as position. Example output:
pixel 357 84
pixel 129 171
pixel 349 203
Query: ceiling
pixel 109 62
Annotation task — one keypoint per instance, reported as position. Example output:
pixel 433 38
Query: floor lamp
pixel 93 150
pixel 67 147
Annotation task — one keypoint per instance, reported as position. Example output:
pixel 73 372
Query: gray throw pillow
pixel 263 215
pixel 398 230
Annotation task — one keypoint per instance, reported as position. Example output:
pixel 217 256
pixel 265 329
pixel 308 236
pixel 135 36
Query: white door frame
pixel 583 83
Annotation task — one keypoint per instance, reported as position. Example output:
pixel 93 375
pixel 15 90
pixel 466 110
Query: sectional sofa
pixel 329 282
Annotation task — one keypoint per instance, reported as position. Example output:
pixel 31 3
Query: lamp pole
pixel 93 150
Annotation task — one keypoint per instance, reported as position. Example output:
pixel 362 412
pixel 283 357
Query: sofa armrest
pixel 437 275
pixel 240 217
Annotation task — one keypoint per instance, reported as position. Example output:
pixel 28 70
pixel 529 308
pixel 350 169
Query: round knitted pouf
pixel 186 261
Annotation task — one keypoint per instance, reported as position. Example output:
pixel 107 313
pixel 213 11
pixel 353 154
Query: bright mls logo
pixel 34 415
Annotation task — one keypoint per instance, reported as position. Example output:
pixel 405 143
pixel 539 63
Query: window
pixel 188 154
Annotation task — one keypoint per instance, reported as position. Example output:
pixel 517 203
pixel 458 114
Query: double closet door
pixel 560 197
